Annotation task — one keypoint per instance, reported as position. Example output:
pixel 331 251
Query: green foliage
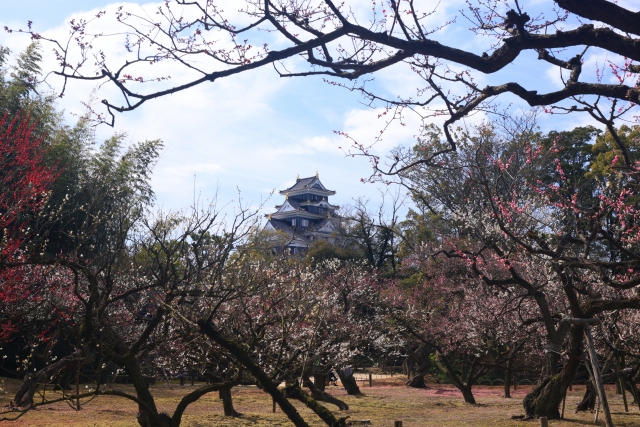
pixel 439 374
pixel 102 190
pixel 25 73
pixel 321 250
pixel 265 245
pixel 100 185
pixel 605 149
pixel 419 227
pixel 19 90
pixel 412 281
pixel 573 149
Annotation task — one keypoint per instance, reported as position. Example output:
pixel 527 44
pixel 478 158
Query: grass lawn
pixel 386 401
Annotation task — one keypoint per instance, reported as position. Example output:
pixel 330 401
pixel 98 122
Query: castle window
pixel 305 223
pixel 293 222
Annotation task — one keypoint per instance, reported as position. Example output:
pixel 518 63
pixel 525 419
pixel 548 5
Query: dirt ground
pixel 388 400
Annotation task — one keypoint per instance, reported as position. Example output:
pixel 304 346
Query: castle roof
pixel 281 225
pixel 324 226
pixel 305 214
pixel 308 185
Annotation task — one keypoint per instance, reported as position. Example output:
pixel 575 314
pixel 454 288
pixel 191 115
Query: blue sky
pixel 256 132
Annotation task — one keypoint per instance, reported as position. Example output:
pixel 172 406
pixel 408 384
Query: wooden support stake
pixel 635 393
pixel 595 420
pixel 621 381
pixel 78 389
pixel 193 379
pixel 602 397
pixel 181 379
pixel 593 382
pixel 397 424
pixel 597 375
pixel 370 380
pixel 544 422
pixel 274 405
pixel 564 400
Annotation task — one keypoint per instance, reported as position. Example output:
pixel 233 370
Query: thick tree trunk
pixel 65 378
pixel 631 387
pixel 145 421
pixel 295 392
pixel 468 395
pixel 408 367
pixel 589 399
pixel 349 383
pixel 418 379
pixel 545 399
pixel 507 379
pixel 323 396
pixel 148 415
pixel 444 365
pixel 320 381
pixel 421 358
pixel 245 360
pixel 630 383
pixel 590 394
pixel 31 382
pixel 227 402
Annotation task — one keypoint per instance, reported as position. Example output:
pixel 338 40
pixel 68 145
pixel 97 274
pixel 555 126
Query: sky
pixel 255 132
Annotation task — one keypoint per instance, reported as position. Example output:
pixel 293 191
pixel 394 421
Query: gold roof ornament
pixel 298 177
pixel 317 175
pixel 269 217
pixel 286 196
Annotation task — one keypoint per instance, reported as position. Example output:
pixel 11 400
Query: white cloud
pixel 553 77
pixel 258 131
pixel 323 143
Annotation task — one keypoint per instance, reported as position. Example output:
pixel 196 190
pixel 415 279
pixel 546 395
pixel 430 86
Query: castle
pixel 305 216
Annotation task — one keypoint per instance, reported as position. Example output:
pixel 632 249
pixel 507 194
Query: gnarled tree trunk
pixel 265 382
pixel 323 396
pixel 295 392
pixel 31 381
pixel 545 399
pixel 408 367
pixel 320 381
pixel 420 357
pixel 349 383
pixel 148 415
pixel 465 387
pixel 227 402
pixel 590 394
pixel 589 399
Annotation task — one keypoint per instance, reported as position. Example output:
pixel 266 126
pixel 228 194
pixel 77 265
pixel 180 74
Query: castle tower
pixel 305 215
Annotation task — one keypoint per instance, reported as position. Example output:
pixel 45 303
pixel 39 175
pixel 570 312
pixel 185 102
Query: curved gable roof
pixel 305 183
pixel 288 206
